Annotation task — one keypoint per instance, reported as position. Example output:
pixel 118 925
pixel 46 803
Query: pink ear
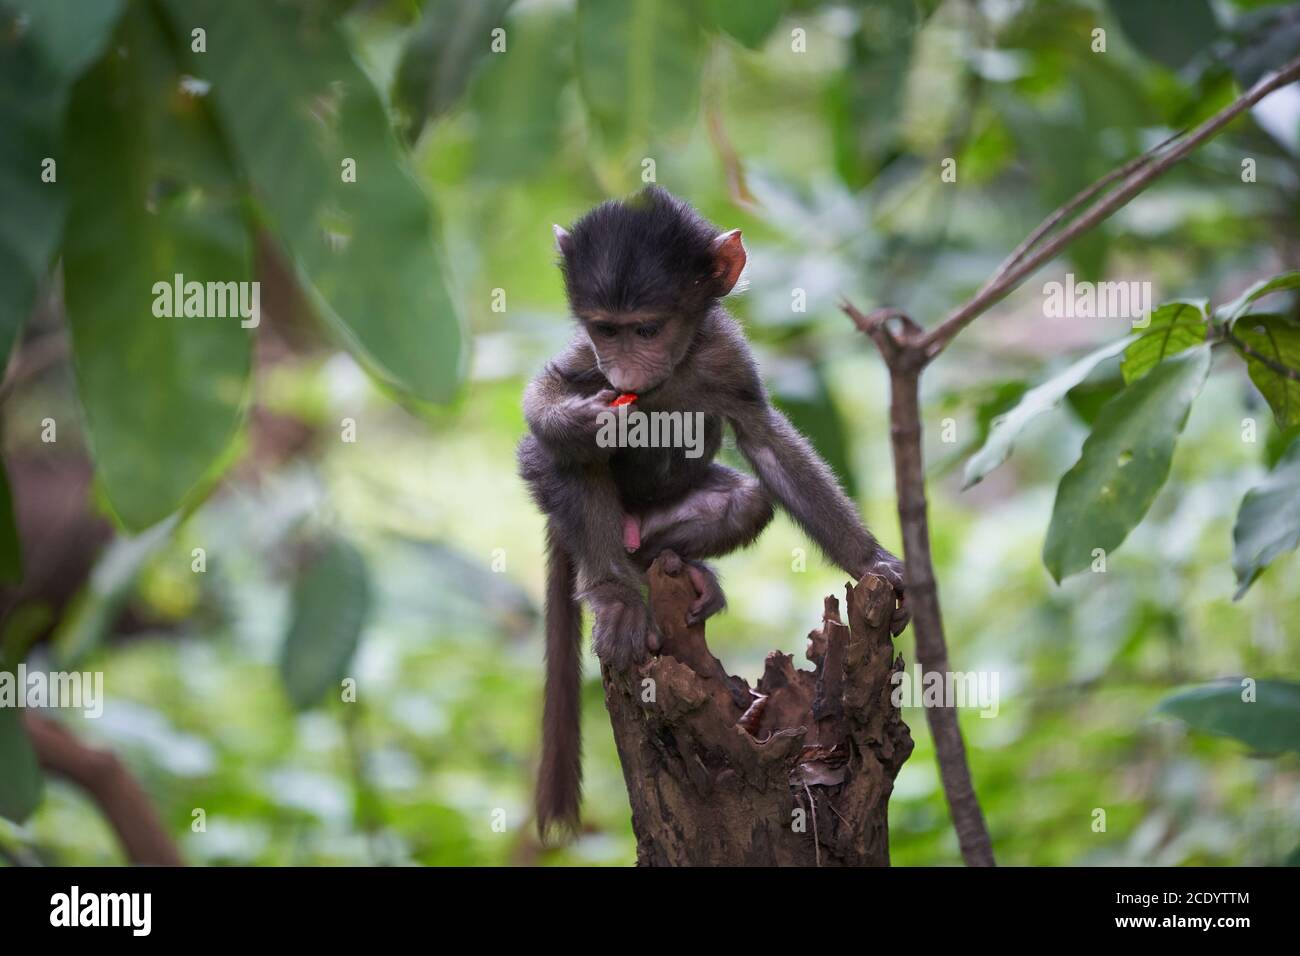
pixel 728 259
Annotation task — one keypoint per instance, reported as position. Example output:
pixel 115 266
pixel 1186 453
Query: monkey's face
pixel 637 352
pixel 641 275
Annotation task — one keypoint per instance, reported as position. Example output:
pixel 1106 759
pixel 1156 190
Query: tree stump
pixel 795 772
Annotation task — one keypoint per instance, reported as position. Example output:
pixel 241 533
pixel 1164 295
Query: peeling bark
pixel 794 772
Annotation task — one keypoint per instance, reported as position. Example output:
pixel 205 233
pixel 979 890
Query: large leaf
pixel 294 106
pixel 1273 361
pixel 68 34
pixel 1037 400
pixel 516 96
pixel 1170 31
pixel 866 97
pixel 639 65
pixel 441 54
pixel 162 396
pixel 1268 523
pixel 750 22
pixel 1175 327
pixel 37 66
pixel 330 603
pixel 1268 724
pixel 1124 463
pixel 21 784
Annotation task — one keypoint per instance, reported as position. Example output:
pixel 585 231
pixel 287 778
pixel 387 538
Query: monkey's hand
pixel 584 417
pixel 885 565
pixel 623 631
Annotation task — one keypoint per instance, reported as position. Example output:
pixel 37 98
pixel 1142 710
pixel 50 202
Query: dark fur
pixel 654 259
pixel 651 253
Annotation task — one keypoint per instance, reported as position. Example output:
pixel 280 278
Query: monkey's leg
pixel 727 511
pixel 583 505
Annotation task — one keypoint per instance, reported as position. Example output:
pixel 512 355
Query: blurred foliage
pixel 351 529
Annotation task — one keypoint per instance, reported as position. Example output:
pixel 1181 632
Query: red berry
pixel 627 398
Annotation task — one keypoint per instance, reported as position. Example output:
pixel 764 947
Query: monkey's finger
pixel 705 606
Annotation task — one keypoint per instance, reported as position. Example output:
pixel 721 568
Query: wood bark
pixel 796 771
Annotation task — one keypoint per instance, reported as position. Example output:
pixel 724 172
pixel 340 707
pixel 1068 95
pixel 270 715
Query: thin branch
pixel 1142 172
pixel 909 350
pixel 1078 200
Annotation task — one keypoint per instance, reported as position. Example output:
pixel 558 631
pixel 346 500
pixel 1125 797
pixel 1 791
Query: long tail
pixel 559 780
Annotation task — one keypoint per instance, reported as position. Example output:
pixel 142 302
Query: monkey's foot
pixel 711 600
pixel 623 632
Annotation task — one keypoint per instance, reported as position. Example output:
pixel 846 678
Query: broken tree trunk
pixel 796 772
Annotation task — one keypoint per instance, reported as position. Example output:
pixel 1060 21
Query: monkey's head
pixel 640 275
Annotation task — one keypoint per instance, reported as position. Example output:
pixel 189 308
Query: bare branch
pixel 1142 172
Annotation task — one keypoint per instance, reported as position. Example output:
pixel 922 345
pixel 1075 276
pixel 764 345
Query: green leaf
pixel 163 397
pixel 21 783
pixel 1238 306
pixel 87 621
pixel 1268 523
pixel 1124 463
pixel 1089 397
pixel 639 65
pixel 1277 442
pixel 440 56
pixel 1263 41
pixel 866 97
pixel 11 549
pixel 1269 724
pixel 1170 31
pixel 517 95
pixel 750 22
pixel 1175 327
pixel 37 66
pixel 1273 362
pixel 68 34
pixel 1037 400
pixel 804 397
pixel 330 604
pixel 295 106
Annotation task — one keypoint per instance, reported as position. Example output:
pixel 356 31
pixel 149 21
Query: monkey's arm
pixel 795 475
pixel 561 416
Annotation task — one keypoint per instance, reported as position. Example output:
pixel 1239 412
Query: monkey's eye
pixel 648 331
pixel 606 330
